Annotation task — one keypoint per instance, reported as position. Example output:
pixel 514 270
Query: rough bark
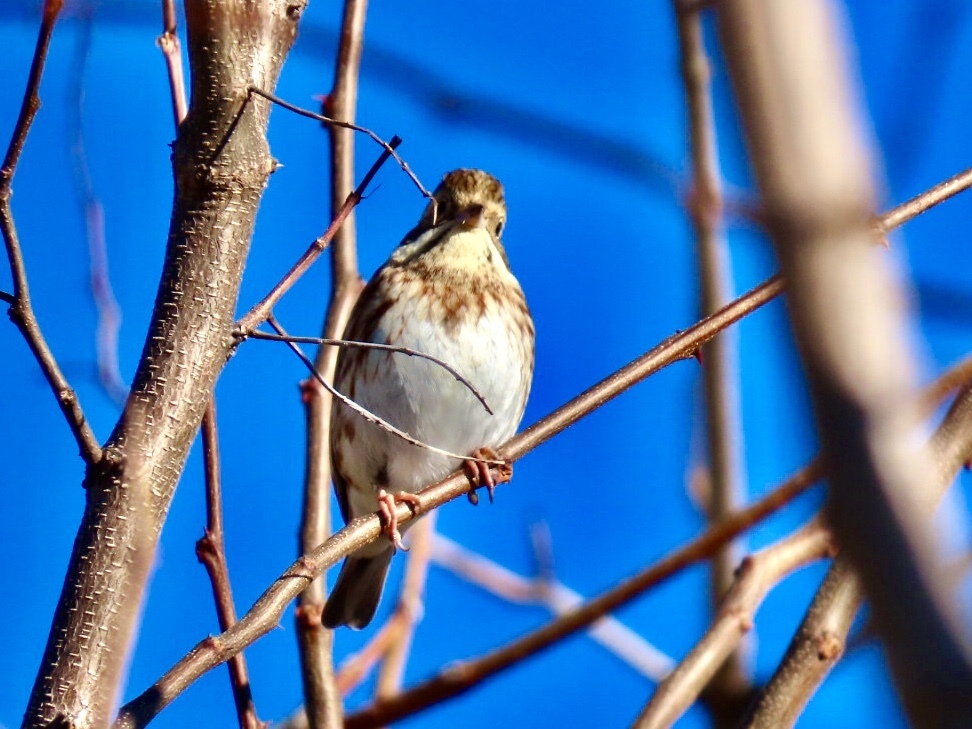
pixel 221 163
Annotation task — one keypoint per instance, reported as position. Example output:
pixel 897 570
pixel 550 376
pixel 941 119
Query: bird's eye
pixel 499 228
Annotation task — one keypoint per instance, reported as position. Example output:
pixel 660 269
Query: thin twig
pixel 171 49
pixel 389 147
pixel 722 420
pixel 460 677
pixel 363 412
pixel 211 552
pixel 373 345
pixel 21 310
pixel 259 313
pixel 109 313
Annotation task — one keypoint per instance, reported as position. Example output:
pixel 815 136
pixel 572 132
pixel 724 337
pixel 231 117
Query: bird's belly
pixel 426 401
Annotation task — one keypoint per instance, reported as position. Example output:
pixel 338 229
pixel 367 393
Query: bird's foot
pixel 389 517
pixel 479 473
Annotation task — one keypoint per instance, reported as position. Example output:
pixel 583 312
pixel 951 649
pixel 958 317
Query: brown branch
pixel 757 575
pixel 822 636
pixel 460 677
pixel 259 313
pixel 323 705
pixel 211 552
pixel 21 311
pixel 171 49
pixel 210 548
pixel 391 642
pixel 129 490
pixel 722 420
pixel 334 121
pixel 265 614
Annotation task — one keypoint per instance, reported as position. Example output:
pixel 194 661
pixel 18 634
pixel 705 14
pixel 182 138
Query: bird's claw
pixel 480 474
pixel 389 516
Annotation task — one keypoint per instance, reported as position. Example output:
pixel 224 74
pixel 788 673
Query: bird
pixel 446 291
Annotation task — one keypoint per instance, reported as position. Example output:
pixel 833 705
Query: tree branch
pixel 722 420
pixel 231 46
pixel 786 63
pixel 21 311
pixel 323 704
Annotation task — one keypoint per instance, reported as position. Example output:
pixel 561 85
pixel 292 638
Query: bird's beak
pixel 472 217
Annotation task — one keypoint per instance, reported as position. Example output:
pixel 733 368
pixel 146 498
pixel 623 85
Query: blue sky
pixel 580 113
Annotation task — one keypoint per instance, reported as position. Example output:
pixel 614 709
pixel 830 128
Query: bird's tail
pixel 357 591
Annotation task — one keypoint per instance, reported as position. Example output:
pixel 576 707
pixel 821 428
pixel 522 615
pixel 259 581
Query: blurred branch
pixel 757 575
pixel 211 552
pixel 722 420
pixel 822 636
pixel 109 314
pixel 408 611
pixel 21 310
pixel 323 706
pixel 787 66
pixel 461 676
pixel 544 590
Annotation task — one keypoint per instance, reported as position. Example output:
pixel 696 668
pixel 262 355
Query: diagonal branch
pixel 265 614
pixel 21 311
pixel 259 313
pixel 787 66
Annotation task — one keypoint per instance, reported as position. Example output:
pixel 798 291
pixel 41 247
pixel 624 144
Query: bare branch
pixel 211 552
pixel 128 491
pixel 460 677
pixel 21 311
pixel 722 420
pixel 171 49
pixel 613 635
pixel 259 313
pixel 265 614
pixel 323 705
pixel 408 610
pixel 757 575
pixel 787 66
pixel 109 313
pixel 389 147
pixel 365 413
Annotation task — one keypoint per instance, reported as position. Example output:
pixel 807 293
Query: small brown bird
pixel 446 291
